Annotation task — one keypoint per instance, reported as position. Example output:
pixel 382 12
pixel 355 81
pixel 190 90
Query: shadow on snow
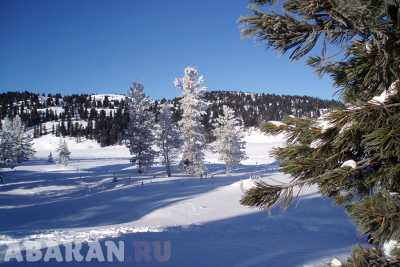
pixel 91 198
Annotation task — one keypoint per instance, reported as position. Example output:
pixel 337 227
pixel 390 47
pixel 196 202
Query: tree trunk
pixel 167 164
pixel 168 170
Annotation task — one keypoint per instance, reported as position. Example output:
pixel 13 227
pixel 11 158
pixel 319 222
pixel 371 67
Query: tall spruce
pixel 230 145
pixel 7 144
pixel 168 137
pixel 140 128
pixel 352 153
pixel 64 155
pixel 23 141
pixel 193 108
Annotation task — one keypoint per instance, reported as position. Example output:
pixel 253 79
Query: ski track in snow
pixel 201 217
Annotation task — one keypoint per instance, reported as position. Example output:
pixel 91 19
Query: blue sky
pixel 88 46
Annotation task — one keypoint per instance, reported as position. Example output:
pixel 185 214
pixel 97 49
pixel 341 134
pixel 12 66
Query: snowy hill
pixel 202 218
pixel 111 97
pixel 107 113
pixel 85 149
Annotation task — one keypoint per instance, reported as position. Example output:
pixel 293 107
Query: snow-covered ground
pixel 111 97
pixel 201 218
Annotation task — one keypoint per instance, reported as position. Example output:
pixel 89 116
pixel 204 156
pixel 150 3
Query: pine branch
pixel 263 195
pixel 379 216
pixel 298 130
pixel 371 257
pixel 331 182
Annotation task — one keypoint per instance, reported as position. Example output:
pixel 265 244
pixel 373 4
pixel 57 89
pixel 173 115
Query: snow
pixel 85 149
pixel 111 97
pixel 56 110
pixel 256 136
pixel 317 143
pixel 37 190
pixel 382 98
pixel 277 123
pixel 336 263
pixel 108 111
pixel 389 246
pixel 323 123
pixel 369 47
pixel 202 218
pixel 346 127
pixel 385 95
pixel 349 163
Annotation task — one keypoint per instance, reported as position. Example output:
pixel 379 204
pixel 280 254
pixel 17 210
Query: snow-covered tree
pixel 7 144
pixel 23 141
pixel 193 106
pixel 140 128
pixel 230 145
pixel 168 137
pixel 63 152
pixel 15 143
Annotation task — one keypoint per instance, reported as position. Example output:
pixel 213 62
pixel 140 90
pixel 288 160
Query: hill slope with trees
pixel 105 117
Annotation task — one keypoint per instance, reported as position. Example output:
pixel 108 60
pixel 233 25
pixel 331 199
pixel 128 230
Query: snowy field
pixel 201 219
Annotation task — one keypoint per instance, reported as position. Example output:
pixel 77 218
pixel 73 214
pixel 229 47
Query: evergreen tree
pixel 63 152
pixel 168 137
pixel 106 102
pixel 50 158
pixel 23 141
pixel 7 144
pixel 15 143
pixel 193 108
pixel 78 132
pixel 140 128
pixel 352 153
pixel 229 139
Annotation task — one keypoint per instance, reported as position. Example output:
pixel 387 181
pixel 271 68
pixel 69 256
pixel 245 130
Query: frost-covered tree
pixel 193 108
pixel 229 143
pixel 7 144
pixel 352 153
pixel 15 143
pixel 140 132
pixel 168 137
pixel 63 152
pixel 23 141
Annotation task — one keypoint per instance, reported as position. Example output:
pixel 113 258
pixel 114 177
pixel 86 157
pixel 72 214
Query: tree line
pixel 106 119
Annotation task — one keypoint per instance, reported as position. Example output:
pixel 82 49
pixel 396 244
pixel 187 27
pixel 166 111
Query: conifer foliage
pixel 140 132
pixel 352 153
pixel 193 108
pixel 15 143
pixel 23 141
pixel 229 139
pixel 7 144
pixel 168 137
pixel 63 152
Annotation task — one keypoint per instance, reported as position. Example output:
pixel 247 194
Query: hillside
pixel 103 117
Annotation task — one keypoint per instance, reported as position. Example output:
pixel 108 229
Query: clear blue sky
pixel 85 46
